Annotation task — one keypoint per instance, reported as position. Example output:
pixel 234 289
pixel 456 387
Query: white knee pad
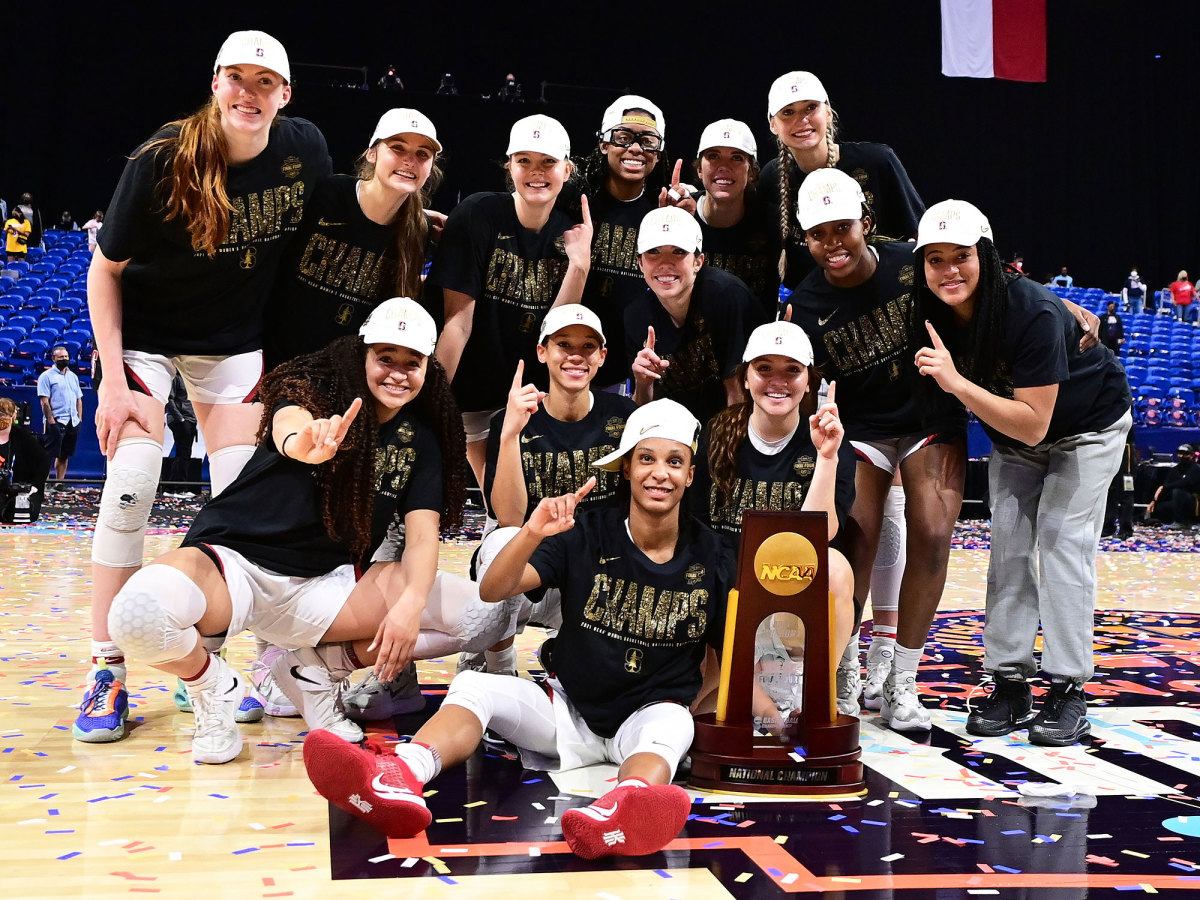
pixel 664 729
pixel 226 464
pixel 456 620
pixel 890 559
pixel 126 502
pixel 469 690
pixel 152 617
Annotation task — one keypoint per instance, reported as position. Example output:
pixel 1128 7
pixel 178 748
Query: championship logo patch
pixel 694 574
pixel 291 167
pixel 614 427
pixel 405 433
pixel 804 466
pixel 906 276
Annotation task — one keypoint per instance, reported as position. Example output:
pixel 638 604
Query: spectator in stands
pixel 390 80
pixel 1183 292
pixel 1118 511
pixel 23 466
pixel 1062 279
pixel 34 215
pixel 16 232
pixel 62 409
pixel 1018 263
pixel 92 226
pixel 1133 294
pixel 66 222
pixel 1112 329
pixel 1177 501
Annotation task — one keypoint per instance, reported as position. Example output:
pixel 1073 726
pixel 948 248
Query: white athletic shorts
pixel 477 425
pixel 289 611
pixel 888 453
pixel 209 379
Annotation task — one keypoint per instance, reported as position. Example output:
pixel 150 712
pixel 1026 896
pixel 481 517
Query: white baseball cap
pixel 405 121
pixel 728 133
pixel 569 314
pixel 828 195
pixel 781 339
pixel 792 87
pixel 403 322
pixel 657 419
pixel 541 134
pixel 953 222
pixel 669 226
pixel 621 112
pixel 244 48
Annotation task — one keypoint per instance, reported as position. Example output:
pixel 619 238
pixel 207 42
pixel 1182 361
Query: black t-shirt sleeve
pixel 130 222
pixel 461 258
pixel 1040 356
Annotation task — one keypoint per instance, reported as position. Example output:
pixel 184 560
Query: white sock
pixel 501 662
pixel 111 655
pixel 420 760
pixel 907 659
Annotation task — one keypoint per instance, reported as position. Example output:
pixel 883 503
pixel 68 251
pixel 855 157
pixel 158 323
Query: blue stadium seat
pixel 19 266
pixel 6 282
pixel 78 335
pixel 26 322
pixel 31 348
pixel 70 305
pixel 58 323
pixel 13 333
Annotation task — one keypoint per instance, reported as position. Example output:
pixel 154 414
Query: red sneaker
pixel 627 821
pixel 370 782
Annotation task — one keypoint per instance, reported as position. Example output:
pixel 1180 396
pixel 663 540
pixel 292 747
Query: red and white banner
pixel 994 39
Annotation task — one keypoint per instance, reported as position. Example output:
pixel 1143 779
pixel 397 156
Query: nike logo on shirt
pixel 823 322
pixel 325 224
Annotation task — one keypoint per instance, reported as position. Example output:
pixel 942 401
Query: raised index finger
pixel 829 393
pixel 587 213
pixel 517 375
pixel 675 174
pixel 937 341
pixel 348 418
pixel 586 489
pixel 650 338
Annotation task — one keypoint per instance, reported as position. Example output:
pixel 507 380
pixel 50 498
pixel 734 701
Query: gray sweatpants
pixel 1047 511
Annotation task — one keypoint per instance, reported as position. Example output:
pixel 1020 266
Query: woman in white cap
pixel 363 239
pixel 543 444
pixel 855 306
pixel 616 177
pixel 741 235
pixel 179 280
pixel 805 127
pixel 354 437
pixel 503 260
pixel 621 681
pixel 1058 417
pixel 690 325
pixel 760 454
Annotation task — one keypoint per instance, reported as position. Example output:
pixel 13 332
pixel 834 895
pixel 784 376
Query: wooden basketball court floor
pixel 942 816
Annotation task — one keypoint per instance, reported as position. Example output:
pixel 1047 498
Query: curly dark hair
pixel 727 431
pixel 325 383
pixel 981 359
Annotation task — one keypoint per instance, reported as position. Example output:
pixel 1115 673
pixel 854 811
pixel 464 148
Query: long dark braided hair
pixel 325 383
pixel 981 358
pixel 787 196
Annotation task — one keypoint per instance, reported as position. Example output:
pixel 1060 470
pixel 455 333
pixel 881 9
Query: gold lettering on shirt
pixel 872 338
pixel 641 612
pixel 524 283
pixel 749 493
pixel 343 269
pixel 264 215
pixel 553 473
pixel 614 249
pixel 393 467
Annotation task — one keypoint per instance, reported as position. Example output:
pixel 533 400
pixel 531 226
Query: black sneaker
pixel 1062 720
pixel 1009 706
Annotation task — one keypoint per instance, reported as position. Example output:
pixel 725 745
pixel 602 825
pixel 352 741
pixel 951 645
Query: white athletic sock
pixel 501 662
pixel 907 659
pixel 420 759
pixel 111 655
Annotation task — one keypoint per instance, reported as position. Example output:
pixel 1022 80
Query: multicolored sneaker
pixel 251 709
pixel 369 782
pixel 104 710
pixel 372 700
pixel 263 688
pixel 632 820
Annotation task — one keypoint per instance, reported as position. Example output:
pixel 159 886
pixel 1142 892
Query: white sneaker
pixel 372 700
pixel 470 662
pixel 900 707
pixel 264 689
pixel 215 700
pixel 879 667
pixel 849 686
pixel 316 691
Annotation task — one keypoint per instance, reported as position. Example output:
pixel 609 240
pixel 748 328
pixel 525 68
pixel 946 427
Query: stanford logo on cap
pixel 415 124
pixel 578 317
pixel 666 227
pixel 826 200
pixel 795 88
pixel 401 325
pixel 942 225
pixel 537 134
pixel 259 52
pixel 779 339
pixel 725 135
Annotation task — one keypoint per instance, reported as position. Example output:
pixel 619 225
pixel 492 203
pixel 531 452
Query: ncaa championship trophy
pixel 782 568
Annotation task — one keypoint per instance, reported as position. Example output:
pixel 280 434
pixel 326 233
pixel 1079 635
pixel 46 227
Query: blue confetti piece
pixel 850 828
pixel 447 879
pixel 123 778
pixel 47 796
pixel 872 822
pixel 532 781
pixel 16 778
pixel 247 850
pixel 775 873
pixel 63 831
pixel 1013 831
pixel 662 873
pixel 52 812
pixel 999 868
pixel 301 844
pixel 837 818
pixel 219 796
pixel 714 844
pixel 70 855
